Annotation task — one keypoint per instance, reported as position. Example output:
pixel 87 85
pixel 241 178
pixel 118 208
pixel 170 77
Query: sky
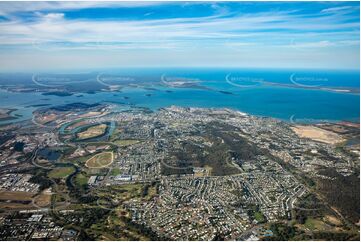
pixel 95 35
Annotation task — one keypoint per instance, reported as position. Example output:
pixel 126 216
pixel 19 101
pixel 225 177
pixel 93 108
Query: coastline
pixel 290 120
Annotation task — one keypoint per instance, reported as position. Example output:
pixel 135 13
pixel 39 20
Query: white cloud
pixel 222 31
pixel 51 16
pixel 54 27
pixel 7 8
pixel 335 9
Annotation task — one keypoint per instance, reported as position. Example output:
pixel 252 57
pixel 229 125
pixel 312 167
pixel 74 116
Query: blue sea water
pixel 303 100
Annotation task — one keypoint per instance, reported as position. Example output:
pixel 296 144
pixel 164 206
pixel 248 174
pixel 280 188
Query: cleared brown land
pixel 350 124
pixel 317 134
pixel 90 114
pixel 43 200
pixel 15 200
pixel 15 206
pixel 207 170
pixel 334 220
pixel 75 125
pixel 16 196
pixel 92 132
pixel 47 118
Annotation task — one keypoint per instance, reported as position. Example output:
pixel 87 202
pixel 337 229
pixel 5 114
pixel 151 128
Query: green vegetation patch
pixel 81 179
pixel 314 224
pixel 117 225
pixel 126 142
pixel 282 232
pixel 259 217
pixel 115 172
pixel 61 172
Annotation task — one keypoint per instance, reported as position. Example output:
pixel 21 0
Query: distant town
pixel 80 171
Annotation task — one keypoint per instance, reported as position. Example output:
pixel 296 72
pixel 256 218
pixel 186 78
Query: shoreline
pixel 291 120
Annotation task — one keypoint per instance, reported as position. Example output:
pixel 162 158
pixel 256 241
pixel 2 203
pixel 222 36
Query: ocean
pixel 304 96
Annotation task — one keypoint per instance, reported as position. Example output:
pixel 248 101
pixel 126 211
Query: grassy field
pixel 81 179
pixel 315 224
pixel 126 192
pixel 259 217
pixel 100 160
pixel 61 172
pixel 115 172
pixel 125 142
pixel 92 132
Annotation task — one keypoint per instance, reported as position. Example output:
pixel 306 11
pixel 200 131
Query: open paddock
pixel 100 160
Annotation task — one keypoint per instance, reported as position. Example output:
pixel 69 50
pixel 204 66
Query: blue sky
pixel 87 35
